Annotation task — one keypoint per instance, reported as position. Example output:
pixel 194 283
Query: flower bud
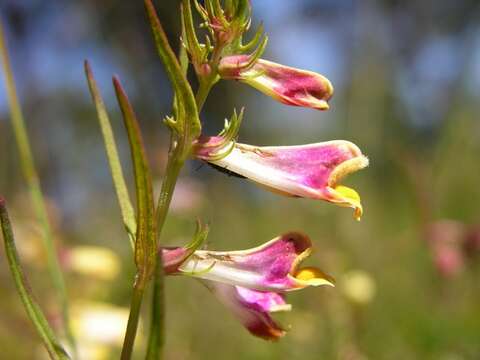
pixel 288 85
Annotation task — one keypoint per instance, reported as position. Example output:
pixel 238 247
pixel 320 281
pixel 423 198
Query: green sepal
pixel 257 53
pixel 229 135
pixel 201 10
pixel 254 41
pixel 197 53
pixel 199 237
pixel 243 13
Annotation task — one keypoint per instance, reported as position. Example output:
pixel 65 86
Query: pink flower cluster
pixel 252 283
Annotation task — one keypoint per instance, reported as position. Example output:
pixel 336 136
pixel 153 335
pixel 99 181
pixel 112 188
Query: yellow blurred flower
pixel 93 261
pixel 358 286
pixel 98 327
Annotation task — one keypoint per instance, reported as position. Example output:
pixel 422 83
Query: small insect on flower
pixel 226 171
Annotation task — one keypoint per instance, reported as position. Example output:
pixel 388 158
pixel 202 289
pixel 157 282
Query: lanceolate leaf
pixel 145 244
pixel 126 207
pixel 31 306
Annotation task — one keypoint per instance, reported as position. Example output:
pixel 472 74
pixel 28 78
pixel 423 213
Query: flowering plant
pixel 251 283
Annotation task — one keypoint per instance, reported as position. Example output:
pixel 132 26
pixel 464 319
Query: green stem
pixel 28 167
pixel 175 163
pixel 203 91
pixel 176 160
pixel 157 338
pixel 133 318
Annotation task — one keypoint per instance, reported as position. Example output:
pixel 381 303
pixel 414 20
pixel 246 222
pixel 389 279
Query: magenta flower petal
pixel 308 171
pixel 252 308
pixel 173 258
pixel 288 85
pixel 273 266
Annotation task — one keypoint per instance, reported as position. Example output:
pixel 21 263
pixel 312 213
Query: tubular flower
pixel 288 85
pixel 308 171
pixel 252 283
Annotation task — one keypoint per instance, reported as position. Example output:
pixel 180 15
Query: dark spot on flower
pixel 226 171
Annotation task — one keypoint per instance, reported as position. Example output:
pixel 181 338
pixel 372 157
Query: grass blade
pixel 28 167
pixel 31 306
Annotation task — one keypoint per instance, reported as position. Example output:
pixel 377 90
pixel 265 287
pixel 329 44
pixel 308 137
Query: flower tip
pixel 358 212
pixel 270 334
pixel 322 105
pixel 350 198
pixel 343 195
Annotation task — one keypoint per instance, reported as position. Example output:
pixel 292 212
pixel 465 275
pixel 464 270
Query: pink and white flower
pixel 308 171
pixel 252 282
pixel 286 84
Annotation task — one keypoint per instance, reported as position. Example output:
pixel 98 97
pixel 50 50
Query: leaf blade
pixel 145 245
pixel 32 308
pixel 123 197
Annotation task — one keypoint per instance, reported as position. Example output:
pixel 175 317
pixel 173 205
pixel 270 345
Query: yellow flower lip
pixel 350 198
pixel 308 276
pixel 344 195
pixel 311 276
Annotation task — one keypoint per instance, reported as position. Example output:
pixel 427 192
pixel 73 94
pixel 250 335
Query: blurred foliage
pixel 406 75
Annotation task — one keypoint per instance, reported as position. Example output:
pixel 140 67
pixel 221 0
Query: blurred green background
pixel 407 80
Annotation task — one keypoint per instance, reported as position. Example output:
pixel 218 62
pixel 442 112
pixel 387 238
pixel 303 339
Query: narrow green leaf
pixel 33 309
pixel 183 54
pixel 187 114
pixel 145 244
pixel 27 164
pixel 190 35
pixel 126 208
pixel 219 14
pixel 229 8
